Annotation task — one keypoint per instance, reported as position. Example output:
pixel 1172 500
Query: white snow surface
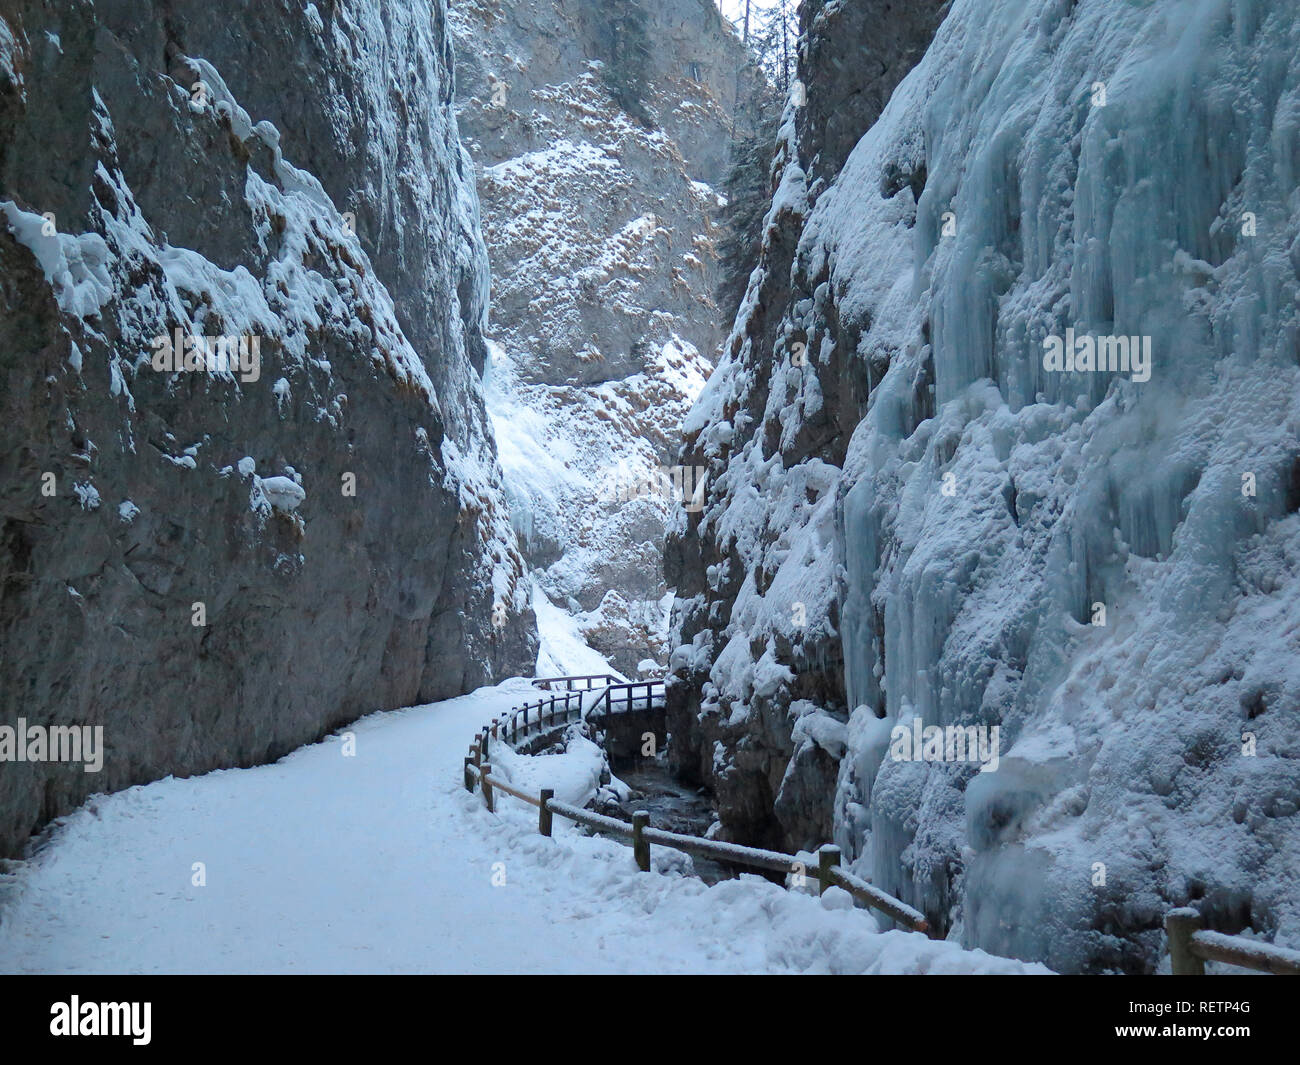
pixel 562 652
pixel 383 863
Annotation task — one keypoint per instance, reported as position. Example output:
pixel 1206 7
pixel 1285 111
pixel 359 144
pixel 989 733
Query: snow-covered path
pixel 381 862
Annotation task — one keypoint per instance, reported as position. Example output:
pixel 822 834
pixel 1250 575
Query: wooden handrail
pixel 506 724
pixel 612 825
pixel 1191 946
pixel 607 697
pixel 501 785
pixel 734 853
pixel 877 899
pixel 548 682
pixel 642 836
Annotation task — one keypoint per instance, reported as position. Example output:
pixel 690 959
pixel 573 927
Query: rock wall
pixel 915 517
pixel 770 789
pixel 600 231
pixel 217 566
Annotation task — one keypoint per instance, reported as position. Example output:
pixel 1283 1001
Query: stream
pixel 672 805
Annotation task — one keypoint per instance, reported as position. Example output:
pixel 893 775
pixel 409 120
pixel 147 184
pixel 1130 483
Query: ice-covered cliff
pixel 216 564
pixel 599 130
pixel 915 513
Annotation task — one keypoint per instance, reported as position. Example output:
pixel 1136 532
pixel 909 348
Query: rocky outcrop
pixel 851 57
pixel 916 518
pixel 220 564
pixel 598 223
pixel 598 212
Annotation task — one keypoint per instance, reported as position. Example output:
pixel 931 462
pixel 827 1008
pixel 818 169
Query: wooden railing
pixel 622 698
pixel 1191 946
pixel 520 722
pixel 585 683
pixel 558 710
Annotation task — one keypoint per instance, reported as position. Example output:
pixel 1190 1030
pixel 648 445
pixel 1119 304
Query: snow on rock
pixel 11 52
pixel 283 493
pixel 311 209
pixel 563 651
pixel 76 266
pixel 601 242
pixel 577 460
pixel 1104 567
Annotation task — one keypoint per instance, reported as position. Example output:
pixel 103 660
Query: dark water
pixel 673 806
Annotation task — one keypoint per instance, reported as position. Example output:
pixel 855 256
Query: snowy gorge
pixel 350 349
pixel 600 232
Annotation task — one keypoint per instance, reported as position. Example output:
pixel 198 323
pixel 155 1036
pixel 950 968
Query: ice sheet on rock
pixel 1041 210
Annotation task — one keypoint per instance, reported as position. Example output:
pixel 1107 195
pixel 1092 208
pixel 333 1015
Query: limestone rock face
pixel 218 564
pixel 851 57
pixel 920 518
pixel 598 222
pixel 599 216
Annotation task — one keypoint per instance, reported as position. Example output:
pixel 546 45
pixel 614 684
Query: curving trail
pixel 382 863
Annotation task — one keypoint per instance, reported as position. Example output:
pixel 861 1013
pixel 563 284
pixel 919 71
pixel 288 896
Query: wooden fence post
pixel 487 787
pixel 640 845
pixel 469 775
pixel 544 814
pixel 828 857
pixel 1180 924
pixel 483 742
